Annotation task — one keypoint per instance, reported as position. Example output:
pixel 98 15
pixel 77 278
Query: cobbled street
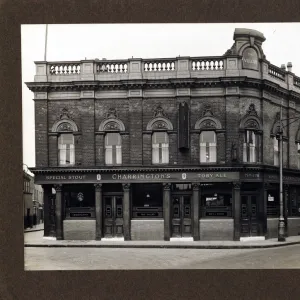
pixel 43 258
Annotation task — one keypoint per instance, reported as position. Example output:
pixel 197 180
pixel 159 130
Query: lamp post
pixel 281 224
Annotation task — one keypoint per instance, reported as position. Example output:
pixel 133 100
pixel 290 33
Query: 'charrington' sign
pixel 137 177
pixel 250 59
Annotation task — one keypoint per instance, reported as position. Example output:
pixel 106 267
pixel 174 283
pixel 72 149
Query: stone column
pixel 126 212
pixel 167 211
pixel 237 210
pixel 59 213
pixel 47 204
pixel 285 206
pixel 98 206
pixel 265 208
pixel 196 229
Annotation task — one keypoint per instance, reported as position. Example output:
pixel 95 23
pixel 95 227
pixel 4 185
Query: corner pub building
pixel 157 149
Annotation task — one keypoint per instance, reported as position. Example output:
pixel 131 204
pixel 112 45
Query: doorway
pixel 249 216
pixel 181 216
pixel 113 216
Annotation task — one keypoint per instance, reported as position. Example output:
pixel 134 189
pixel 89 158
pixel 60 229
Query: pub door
pixel 113 216
pixel 181 216
pixel 249 215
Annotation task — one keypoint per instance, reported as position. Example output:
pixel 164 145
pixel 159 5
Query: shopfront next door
pixel 181 216
pixel 113 216
pixel 249 215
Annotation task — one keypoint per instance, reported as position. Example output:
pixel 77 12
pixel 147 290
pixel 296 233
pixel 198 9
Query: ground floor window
pixel 216 200
pixel 79 201
pixel 147 200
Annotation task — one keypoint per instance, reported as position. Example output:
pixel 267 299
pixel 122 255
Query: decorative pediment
pixel 207 111
pixel 208 123
pixel 276 126
pixel 112 123
pixel 252 111
pixel 64 125
pixel 159 112
pixel 251 124
pixel 65 114
pixel 159 123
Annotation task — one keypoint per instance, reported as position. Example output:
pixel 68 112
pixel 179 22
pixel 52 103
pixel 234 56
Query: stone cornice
pixel 163 84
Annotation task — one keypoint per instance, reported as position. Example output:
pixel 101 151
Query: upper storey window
pixel 160 148
pixel 208 126
pixel 112 128
pixel 113 148
pixel 66 149
pixel 65 128
pixel 250 126
pixel 159 127
pixel 208 147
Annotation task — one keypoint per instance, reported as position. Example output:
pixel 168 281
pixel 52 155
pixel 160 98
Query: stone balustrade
pixel 161 68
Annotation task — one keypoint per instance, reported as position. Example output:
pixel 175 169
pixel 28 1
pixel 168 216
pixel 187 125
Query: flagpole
pixel 46 39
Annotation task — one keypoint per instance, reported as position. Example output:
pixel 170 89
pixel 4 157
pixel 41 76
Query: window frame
pixel 71 150
pixel 207 146
pixel 113 159
pixel 160 149
pixel 247 146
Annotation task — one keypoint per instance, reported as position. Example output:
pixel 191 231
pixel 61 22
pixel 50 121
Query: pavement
pixel 156 259
pixel 36 239
pixel 37 227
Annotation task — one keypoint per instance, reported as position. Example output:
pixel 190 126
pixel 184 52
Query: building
pixel 33 199
pixel 155 149
pixel 27 200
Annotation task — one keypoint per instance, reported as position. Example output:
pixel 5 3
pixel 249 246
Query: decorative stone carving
pixel 251 124
pixel 207 111
pixel 233 152
pixel 126 186
pixel 64 127
pixel 65 114
pixel 159 112
pixel 236 185
pixel 58 187
pixel 195 186
pixel 159 125
pixel 209 124
pixel 112 126
pixel 252 111
pixel 98 186
pixel 111 114
pixel 167 186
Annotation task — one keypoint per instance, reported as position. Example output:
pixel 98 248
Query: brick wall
pixel 216 229
pixel 79 229
pixel 147 230
pixel 135 113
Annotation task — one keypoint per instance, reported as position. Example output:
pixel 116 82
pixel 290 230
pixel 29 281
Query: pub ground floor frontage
pixel 167 204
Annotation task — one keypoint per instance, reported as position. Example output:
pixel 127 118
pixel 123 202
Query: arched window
pixel 208 147
pixel 251 128
pixel 160 148
pixel 113 148
pixel 251 146
pixel 65 129
pixel 66 149
pixel 112 126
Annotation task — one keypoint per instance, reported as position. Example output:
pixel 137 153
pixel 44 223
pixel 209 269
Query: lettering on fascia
pixel 140 176
pixel 212 175
pixel 66 177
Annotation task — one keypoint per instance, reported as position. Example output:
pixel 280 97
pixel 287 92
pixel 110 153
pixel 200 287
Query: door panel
pixel 181 216
pixel 249 218
pixel 113 216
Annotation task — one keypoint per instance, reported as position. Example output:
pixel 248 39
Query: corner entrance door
pixel 181 216
pixel 113 216
pixel 249 218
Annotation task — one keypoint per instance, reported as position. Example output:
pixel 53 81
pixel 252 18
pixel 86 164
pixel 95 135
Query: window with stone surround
pixel 113 148
pixel 66 149
pixel 251 146
pixel 160 148
pixel 208 147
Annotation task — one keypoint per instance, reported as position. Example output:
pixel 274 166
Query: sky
pixel 74 42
